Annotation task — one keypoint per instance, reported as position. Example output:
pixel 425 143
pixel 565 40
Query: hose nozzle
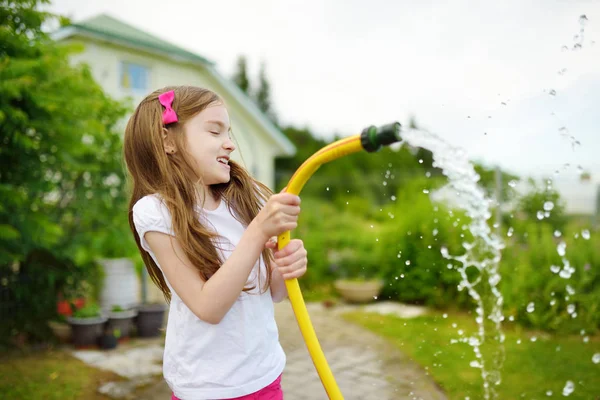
pixel 373 138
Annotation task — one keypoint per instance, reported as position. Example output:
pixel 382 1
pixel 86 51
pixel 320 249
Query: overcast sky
pixel 340 65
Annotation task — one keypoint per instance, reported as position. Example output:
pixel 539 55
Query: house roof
pixel 112 30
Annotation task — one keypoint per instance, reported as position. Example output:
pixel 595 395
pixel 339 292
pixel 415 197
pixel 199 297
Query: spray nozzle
pixel 372 138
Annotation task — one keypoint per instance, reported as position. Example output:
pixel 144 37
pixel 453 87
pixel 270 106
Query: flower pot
pixel 86 331
pixel 121 320
pixel 108 341
pixel 150 319
pixel 358 291
pixel 61 330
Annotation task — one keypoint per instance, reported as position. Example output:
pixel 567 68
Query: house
pixel 130 63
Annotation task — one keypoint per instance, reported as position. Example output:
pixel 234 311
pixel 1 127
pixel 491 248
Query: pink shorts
pixel 271 392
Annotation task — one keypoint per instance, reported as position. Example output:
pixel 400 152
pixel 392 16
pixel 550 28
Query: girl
pixel 203 227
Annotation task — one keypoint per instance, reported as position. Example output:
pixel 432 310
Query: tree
pixel 263 94
pixel 241 75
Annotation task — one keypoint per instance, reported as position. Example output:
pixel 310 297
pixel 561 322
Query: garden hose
pixel 371 139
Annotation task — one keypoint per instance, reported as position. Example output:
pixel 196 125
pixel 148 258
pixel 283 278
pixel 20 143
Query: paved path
pixel 364 365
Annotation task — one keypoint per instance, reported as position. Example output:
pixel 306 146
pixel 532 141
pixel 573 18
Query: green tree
pixel 263 94
pixel 241 75
pixel 62 191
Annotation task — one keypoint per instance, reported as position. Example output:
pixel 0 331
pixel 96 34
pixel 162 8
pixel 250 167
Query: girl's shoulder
pixel 151 209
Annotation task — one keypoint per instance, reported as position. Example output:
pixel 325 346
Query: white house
pixel 128 62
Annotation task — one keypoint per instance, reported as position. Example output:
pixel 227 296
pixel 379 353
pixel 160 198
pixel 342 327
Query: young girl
pixel 204 228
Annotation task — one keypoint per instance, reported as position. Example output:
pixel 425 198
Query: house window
pixel 134 77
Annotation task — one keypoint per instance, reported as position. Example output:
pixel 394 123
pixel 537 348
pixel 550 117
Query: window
pixel 134 77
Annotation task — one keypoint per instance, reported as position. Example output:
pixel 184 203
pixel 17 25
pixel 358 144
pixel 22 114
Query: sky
pixel 502 80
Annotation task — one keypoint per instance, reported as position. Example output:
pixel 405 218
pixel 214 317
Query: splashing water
pixel 483 254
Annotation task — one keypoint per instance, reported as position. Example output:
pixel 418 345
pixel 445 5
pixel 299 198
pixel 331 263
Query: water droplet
pixel 585 234
pixel 428 174
pixel 596 358
pixel 518 341
pixel 407 262
pixel 425 191
pixel 446 316
pixel 384 183
pixel 557 233
pixel 568 389
pixel 420 161
pixel 555 268
pixel 561 248
pixel 512 183
pixel 586 339
pixel 533 339
pixel 475 364
pixel 552 92
pixel 530 307
pixel 444 251
pixel 434 232
pixel 540 215
pixel 328 188
pixel 571 308
pixel 548 206
pixel 393 198
pixel 570 290
pixel 552 302
pixel 548 393
pixel 375 297
pixel 510 232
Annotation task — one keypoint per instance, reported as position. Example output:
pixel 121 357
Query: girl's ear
pixel 168 144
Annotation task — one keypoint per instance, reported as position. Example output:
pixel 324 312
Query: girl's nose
pixel 229 145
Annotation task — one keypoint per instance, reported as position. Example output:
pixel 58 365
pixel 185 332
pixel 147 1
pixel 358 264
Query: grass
pixel 50 375
pixel 536 363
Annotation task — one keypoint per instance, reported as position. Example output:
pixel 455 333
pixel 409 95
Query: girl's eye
pixel 215 133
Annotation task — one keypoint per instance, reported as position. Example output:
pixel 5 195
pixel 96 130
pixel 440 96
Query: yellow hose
pixel 328 153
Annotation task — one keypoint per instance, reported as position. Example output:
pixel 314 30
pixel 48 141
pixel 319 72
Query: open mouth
pixel 223 160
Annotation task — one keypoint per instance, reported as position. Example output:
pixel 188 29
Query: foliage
pixel 91 310
pixel 535 275
pixel 30 290
pixel 409 253
pixel 65 184
pixel 263 95
pixel 535 363
pixel 240 78
pixel 531 206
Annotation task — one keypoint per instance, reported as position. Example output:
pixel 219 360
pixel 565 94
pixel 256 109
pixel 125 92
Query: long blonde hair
pixel 175 179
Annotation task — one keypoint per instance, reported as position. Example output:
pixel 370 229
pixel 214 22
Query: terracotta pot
pixel 359 291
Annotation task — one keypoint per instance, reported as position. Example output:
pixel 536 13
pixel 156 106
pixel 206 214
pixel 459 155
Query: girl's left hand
pixel 290 261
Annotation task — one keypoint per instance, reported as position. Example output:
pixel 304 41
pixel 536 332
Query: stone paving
pixel 364 365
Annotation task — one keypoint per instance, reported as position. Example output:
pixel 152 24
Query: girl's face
pixel 209 142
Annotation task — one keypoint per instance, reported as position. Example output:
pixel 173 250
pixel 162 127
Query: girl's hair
pixel 175 179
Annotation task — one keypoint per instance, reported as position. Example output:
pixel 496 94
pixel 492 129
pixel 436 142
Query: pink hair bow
pixel 166 99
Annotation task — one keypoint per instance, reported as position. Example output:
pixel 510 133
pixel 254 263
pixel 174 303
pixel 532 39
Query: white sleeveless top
pixel 236 357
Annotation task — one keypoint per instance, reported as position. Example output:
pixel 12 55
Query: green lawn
pixel 531 368
pixel 50 375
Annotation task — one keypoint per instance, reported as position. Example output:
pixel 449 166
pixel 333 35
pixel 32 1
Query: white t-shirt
pixel 236 357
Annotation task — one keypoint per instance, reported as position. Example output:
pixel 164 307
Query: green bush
pixel 409 254
pixel 531 271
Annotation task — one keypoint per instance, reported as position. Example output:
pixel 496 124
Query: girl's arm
pixel 211 300
pixel 278 289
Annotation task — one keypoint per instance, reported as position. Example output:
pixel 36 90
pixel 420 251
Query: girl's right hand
pixel 279 215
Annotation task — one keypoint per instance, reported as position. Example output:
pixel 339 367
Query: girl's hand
pixel 279 215
pixel 291 261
